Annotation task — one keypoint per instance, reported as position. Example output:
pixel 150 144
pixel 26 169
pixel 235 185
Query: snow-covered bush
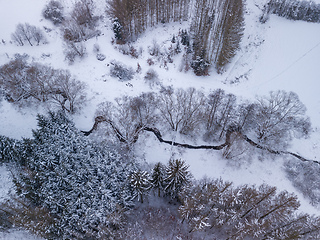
pixel 120 71
pixel 26 33
pixel 117 29
pixel 53 11
pixel 82 23
pixel 74 180
pixel 151 78
pixel 200 66
pixel 74 50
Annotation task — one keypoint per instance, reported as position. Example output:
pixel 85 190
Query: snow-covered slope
pixel 278 55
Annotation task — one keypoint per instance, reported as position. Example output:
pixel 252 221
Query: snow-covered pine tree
pixel 9 149
pixel 82 185
pixel 157 177
pixel 177 177
pixel 140 184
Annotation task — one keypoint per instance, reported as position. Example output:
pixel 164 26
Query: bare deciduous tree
pixel 280 117
pixel 28 33
pixel 29 83
pixel 181 109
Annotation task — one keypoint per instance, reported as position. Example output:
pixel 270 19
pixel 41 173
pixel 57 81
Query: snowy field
pixel 278 55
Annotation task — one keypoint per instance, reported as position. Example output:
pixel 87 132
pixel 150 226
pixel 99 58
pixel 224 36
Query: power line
pixel 292 64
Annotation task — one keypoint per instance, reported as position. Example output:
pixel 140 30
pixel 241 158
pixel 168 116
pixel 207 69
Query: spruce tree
pixel 177 177
pixel 140 183
pixel 157 177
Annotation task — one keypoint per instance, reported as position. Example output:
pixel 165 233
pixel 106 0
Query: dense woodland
pixel 74 183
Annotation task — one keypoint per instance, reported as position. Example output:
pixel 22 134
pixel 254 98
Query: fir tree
pixel 177 177
pixel 140 183
pixel 157 177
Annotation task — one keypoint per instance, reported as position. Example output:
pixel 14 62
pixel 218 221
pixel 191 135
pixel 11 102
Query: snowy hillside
pixel 278 55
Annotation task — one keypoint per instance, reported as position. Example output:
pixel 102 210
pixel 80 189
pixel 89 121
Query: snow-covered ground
pixel 278 55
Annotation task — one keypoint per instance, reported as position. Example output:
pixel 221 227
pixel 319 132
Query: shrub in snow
pixel 154 50
pixel 185 40
pixel 53 11
pixel 120 71
pixel 82 23
pixel 96 48
pixel 26 33
pixel 82 186
pixel 74 50
pixel 83 13
pixel 200 66
pixel 117 29
pixel 101 56
pixel 72 32
pixel 305 177
pixel 151 78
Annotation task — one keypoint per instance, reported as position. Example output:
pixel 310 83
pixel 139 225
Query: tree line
pixel 295 10
pixel 272 121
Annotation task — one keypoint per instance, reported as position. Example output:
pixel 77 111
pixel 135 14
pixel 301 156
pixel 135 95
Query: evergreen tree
pixel 117 29
pixel 177 177
pixel 82 185
pixel 140 183
pixel 157 177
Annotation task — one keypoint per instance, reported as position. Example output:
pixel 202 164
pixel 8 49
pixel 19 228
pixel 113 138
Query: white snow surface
pixel 278 55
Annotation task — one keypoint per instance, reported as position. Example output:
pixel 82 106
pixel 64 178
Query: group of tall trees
pixel 216 25
pixel 245 212
pixel 135 16
pixel 294 9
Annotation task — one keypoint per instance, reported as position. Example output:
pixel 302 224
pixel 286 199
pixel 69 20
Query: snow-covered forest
pixel 172 119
